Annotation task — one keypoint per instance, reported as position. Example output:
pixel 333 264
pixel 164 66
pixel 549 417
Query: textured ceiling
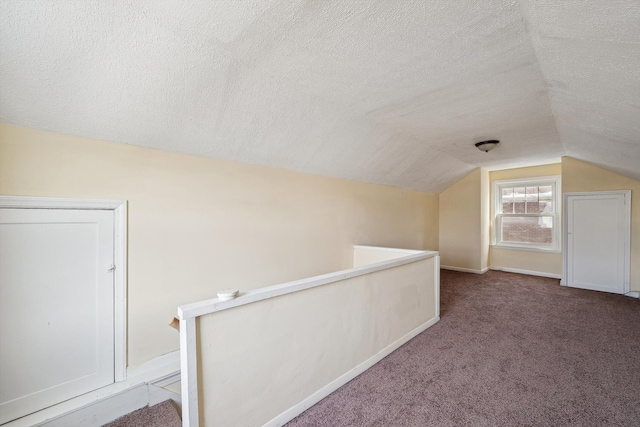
pixel 391 92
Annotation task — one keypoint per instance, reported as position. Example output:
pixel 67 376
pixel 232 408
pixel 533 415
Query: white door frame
pixel 627 225
pixel 120 258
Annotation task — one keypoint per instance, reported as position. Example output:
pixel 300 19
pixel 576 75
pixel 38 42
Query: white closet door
pixel 56 306
pixel 597 241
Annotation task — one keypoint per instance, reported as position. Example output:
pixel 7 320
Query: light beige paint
pixel 198 224
pixel 461 223
pixel 257 362
pixel 528 172
pixel 174 387
pixel 528 261
pixel 364 255
pixel 579 176
pixel 549 263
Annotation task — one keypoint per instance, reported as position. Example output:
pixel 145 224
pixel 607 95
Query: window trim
pixel 556 182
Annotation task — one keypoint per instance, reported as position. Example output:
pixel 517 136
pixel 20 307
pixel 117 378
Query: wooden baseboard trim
pixel 528 272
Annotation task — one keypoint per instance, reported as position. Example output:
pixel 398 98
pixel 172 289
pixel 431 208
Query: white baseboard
pixel 114 407
pixel 160 371
pixel 296 410
pixel 528 272
pixel 103 411
pixel 464 270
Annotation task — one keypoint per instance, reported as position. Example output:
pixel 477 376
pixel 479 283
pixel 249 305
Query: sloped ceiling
pixel 390 92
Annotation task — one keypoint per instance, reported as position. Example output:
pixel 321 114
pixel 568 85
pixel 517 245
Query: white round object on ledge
pixel 227 294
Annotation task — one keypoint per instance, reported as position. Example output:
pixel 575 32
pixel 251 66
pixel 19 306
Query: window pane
pixel 546 200
pixel 531 200
pixel 507 200
pixel 527 229
pixel 519 195
pixel 532 194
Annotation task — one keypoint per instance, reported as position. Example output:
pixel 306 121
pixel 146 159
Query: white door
pixel 56 306
pixel 597 251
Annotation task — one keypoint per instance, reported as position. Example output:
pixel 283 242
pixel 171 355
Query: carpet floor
pixel 161 415
pixel 509 350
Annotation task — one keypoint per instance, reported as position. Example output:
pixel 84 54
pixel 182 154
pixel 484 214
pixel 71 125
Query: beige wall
pixel 198 224
pixel 549 263
pixel 466 214
pixel 580 176
pixel 366 255
pixel 461 223
pixel 528 172
pixel 464 224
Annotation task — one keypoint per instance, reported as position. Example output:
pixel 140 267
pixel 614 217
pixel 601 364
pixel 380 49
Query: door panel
pixel 596 239
pixel 56 306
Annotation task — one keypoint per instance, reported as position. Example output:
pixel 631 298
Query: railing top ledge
pixel 205 307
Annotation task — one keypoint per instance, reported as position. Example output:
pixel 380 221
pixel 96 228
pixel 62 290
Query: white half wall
pixel 271 359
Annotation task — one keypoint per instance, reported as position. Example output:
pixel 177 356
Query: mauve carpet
pixel 161 415
pixel 509 350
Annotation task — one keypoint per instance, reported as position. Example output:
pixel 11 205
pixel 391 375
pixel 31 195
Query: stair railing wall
pixel 269 354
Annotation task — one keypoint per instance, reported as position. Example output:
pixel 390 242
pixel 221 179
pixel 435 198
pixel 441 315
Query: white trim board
pixel 114 407
pixel 153 372
pixel 189 372
pixel 296 410
pixel 384 249
pixel 120 291
pixel 436 278
pixel 105 410
pixel 520 248
pixel 23 202
pixel 464 270
pixel 527 272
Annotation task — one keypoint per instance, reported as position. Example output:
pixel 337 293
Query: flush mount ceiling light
pixel 487 146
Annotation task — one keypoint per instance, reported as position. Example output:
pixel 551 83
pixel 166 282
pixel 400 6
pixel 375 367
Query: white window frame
pixel 556 184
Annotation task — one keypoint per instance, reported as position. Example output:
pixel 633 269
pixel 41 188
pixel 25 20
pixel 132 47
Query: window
pixel 527 214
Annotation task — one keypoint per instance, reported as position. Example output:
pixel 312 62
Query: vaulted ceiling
pixel 390 92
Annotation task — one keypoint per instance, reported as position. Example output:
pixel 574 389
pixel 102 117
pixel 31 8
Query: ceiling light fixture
pixel 487 146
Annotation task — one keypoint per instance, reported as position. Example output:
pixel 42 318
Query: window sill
pixel 527 249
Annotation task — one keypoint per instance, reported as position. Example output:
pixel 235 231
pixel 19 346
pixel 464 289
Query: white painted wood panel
pixel 597 241
pixel 56 306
